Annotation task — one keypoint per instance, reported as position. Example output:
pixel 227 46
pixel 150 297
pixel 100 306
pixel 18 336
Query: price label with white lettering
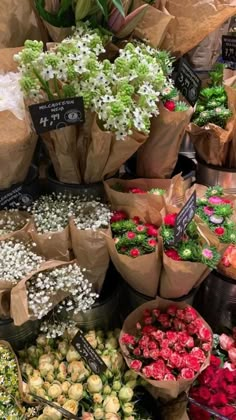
pixel 184 217
pixel 53 115
pixel 90 356
pixel 229 48
pixel 187 82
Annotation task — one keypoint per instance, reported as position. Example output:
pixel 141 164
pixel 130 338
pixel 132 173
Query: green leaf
pixel 102 4
pixel 63 20
pixel 65 6
pixel 118 4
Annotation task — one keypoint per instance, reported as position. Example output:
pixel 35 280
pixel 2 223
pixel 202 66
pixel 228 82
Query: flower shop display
pixel 188 262
pixel 145 194
pixel 168 345
pixel 212 126
pixel 87 228
pixel 12 221
pixel 215 388
pixel 58 283
pixel 18 140
pixel 134 252
pixel 166 134
pixel 119 98
pixel 227 265
pixel 54 370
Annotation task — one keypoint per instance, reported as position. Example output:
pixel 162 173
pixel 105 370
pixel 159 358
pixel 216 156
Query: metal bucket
pixel 187 148
pixel 20 336
pixel 210 175
pixel 216 301
pixel 131 299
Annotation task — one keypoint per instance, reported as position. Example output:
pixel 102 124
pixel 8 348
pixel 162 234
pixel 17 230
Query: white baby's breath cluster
pixel 11 221
pixel 124 93
pixel 44 286
pixel 92 215
pixel 56 328
pixel 17 260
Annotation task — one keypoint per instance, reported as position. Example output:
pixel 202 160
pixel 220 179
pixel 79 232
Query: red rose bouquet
pixel 167 344
pixel 187 262
pixel 215 388
pixel 134 252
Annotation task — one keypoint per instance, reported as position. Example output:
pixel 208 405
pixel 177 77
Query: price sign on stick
pixel 89 355
pixel 229 48
pixel 54 115
pixel 184 217
pixel 187 82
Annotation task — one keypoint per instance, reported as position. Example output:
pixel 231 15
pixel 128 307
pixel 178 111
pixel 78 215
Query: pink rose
pixel 215 200
pixel 164 320
pixel 147 371
pixel 158 335
pixel 128 339
pixel 172 337
pixel 156 313
pixel 226 342
pixel 137 351
pixel 152 345
pixel 154 354
pixel 180 314
pixel 190 314
pixel 136 365
pixel 229 366
pixel 192 362
pixel 204 334
pixel 148 329
pixel 232 355
pixel 169 377
pixel 179 325
pixel 187 373
pixel 146 353
pixel 165 353
pixel 176 360
pixel 172 309
pixel 206 347
pixel 199 354
pixel 185 340
pixel 147 320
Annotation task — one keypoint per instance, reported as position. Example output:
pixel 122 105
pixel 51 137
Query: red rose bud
pixel 136 191
pixel 219 231
pixel 137 351
pixel 146 353
pixel 173 254
pixel 156 312
pixel 136 365
pixel 148 329
pixel 131 235
pixel 170 105
pixel 136 220
pixel 148 320
pixel 180 314
pixel 169 219
pixel 134 252
pixel 152 345
pixel 118 216
pixel 158 335
pixel 215 361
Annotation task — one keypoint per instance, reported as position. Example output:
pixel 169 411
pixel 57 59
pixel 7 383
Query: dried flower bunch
pixel 216 210
pixel 17 260
pixel 169 344
pixel 92 215
pixel 11 221
pixel 133 237
pixel 190 248
pixel 42 287
pixel 55 371
pixel 124 94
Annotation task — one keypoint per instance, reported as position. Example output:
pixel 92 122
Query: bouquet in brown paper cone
pixel 119 98
pixel 167 344
pixel 134 252
pixel 143 193
pixel 56 283
pixel 166 134
pixel 13 222
pixel 212 127
pixel 188 262
pixel 87 229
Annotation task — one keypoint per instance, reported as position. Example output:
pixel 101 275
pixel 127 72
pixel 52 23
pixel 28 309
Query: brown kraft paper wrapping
pixel 19 301
pixel 153 26
pixel 178 278
pixel 52 245
pixel 182 33
pixel 230 87
pixel 162 389
pixel 167 130
pixel 90 249
pixel 118 199
pixel 16 215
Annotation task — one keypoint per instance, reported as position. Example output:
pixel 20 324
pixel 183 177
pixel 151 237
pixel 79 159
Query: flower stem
pixel 44 84
pixel 56 87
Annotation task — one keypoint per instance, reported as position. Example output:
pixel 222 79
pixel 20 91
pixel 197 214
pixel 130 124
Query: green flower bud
pixel 98 414
pixel 126 394
pixel 116 386
pixel 128 409
pixel 106 390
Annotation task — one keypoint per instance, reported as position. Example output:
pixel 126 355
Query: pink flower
pixel 137 351
pixel 172 337
pixel 152 242
pixel 148 329
pixel 158 335
pixel 128 339
pixel 215 200
pixel 165 353
pixel 131 235
pixel 156 312
pixel 207 253
pixel 226 342
pixel 118 216
pixel 134 253
pixel 164 320
pixel 154 354
pixel 192 362
pixel 169 219
pixel 140 228
pixel 147 371
pixel 205 334
pixel 229 366
pixel 147 320
pixel 169 377
pixel 190 314
pixel 152 345
pixel 136 220
pixel 180 314
pixel 185 340
pixel 152 231
pixel 171 310
pixel 206 347
pixel 232 355
pixel 187 373
pixel 146 353
pixel 136 365
pixel 208 210
pixel 199 354
pixel 175 360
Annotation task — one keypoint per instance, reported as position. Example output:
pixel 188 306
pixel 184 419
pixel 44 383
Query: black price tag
pixel 57 114
pixel 184 217
pixel 187 82
pixel 229 48
pixel 89 355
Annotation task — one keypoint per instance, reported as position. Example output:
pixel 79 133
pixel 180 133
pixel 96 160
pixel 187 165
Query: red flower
pixel 198 413
pixel 152 242
pixel 147 312
pixel 173 254
pixel 219 231
pixel 131 235
pixel 147 371
pixel 215 361
pixel 199 354
pixel 158 335
pixel 134 252
pixel 176 360
pixel 165 353
pixel 154 354
pixel 148 329
pixel 172 337
pixel 137 351
pixel 228 411
pixel 152 345
pixel 180 314
pixel 232 355
pixel 170 105
pixel 156 312
pixel 229 376
pixel 136 365
pixel 203 394
pixel 169 219
pixel 147 320
pixel 226 342
pixel 136 220
pixel 171 310
pixel 128 339
pixel 169 377
pixel 118 216
pixel 146 354
pixel 190 314
pixel 218 399
pixel 140 228
pixel 136 191
pixel 187 373
pixel 152 231
pixel 185 340
pixel 164 320
pixel 179 325
pixel 204 334
pixel 227 201
pixel 192 362
pixel 206 347
pixel 207 376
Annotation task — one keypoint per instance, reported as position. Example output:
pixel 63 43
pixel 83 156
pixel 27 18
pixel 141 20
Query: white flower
pixel 48 73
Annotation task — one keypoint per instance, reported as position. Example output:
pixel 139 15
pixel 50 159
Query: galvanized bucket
pixel 130 299
pixel 187 148
pixel 20 336
pixel 216 301
pixel 210 175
